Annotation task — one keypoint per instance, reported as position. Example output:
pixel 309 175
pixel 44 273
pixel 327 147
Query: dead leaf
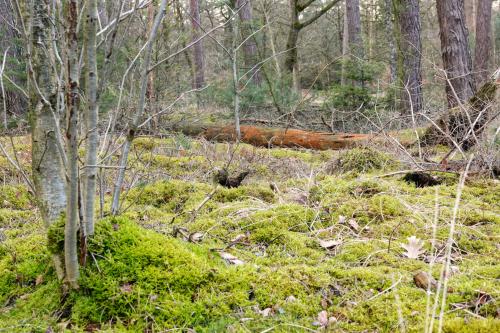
pixel 323 318
pixel 231 259
pixel 413 248
pixel 353 225
pixel 424 280
pixel 196 237
pixel 266 312
pixel 342 219
pixel 39 280
pixel 328 244
pixel 290 299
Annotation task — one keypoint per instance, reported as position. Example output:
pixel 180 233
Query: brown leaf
pixel 266 312
pixel 323 318
pixel 39 280
pixel 329 244
pixel 424 280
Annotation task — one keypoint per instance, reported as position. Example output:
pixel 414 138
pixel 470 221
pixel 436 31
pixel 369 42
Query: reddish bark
pixel 277 137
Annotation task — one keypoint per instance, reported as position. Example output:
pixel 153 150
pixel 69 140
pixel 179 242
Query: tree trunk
pixel 484 47
pixel 198 57
pixel 72 106
pixel 275 137
pixel 353 19
pixel 249 45
pixel 353 43
pixel 291 61
pixel 455 51
pixel 390 39
pixel 47 161
pixel 470 15
pixel 91 120
pixel 410 51
pixel 133 125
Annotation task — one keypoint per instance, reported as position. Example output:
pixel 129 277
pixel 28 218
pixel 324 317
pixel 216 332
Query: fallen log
pixel 275 137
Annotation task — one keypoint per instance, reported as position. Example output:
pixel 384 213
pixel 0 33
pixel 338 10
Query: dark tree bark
pixel 353 29
pixel 483 41
pixel 198 57
pixel 250 45
pixel 455 51
pixel 410 53
pixel 388 15
pixel 352 46
pixel 296 25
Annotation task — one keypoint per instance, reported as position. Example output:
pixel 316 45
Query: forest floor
pixel 312 241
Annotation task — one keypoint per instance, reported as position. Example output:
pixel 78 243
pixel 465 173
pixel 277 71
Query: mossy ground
pixel 140 278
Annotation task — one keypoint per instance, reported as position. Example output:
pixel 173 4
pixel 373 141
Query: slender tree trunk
pixel 198 54
pixel 150 92
pixel 91 120
pixel 484 47
pixel 103 13
pixel 236 91
pixel 388 10
pixel 133 126
pixel 249 45
pixel 455 51
pixel 410 51
pixel 291 62
pixel 72 105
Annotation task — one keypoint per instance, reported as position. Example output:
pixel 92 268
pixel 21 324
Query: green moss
pixel 15 197
pixel 362 160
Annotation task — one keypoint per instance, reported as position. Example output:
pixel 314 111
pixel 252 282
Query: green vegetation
pixel 141 275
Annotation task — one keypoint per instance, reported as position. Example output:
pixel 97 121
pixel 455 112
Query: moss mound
pixel 362 160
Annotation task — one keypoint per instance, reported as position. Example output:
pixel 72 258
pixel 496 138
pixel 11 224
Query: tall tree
pixel 91 119
pixel 410 54
pixel 297 9
pixel 470 15
pixel 352 46
pixel 484 45
pixel 455 51
pixel 198 53
pixel 249 44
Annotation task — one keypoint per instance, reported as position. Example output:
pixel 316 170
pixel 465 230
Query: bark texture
pixel 72 107
pixel 410 52
pixel 91 120
pixel 353 29
pixel 455 51
pixel 484 45
pixel 249 45
pixel 275 137
pixel 198 54
pixel 47 158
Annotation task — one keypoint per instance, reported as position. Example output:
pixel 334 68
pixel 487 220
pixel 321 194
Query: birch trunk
pixel 47 161
pixel 72 104
pixel 133 126
pixel 91 120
